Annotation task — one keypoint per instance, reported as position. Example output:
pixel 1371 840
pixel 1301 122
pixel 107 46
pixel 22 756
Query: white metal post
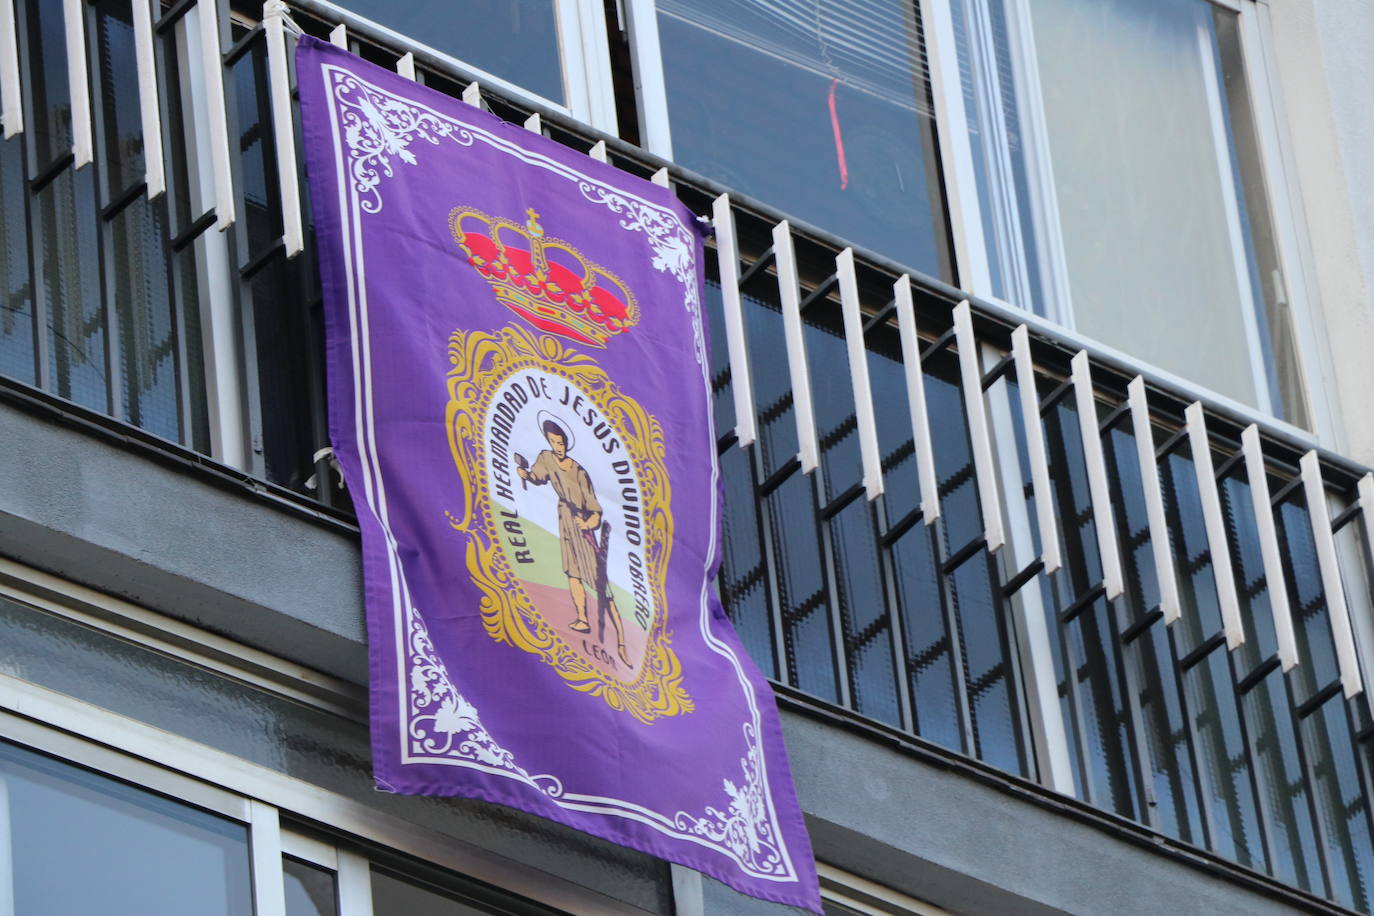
pixel 1276 584
pixel 984 464
pixel 1045 517
pixel 11 103
pixel 207 12
pixel 1222 572
pixel 858 374
pixel 1160 547
pixel 789 289
pixel 1104 518
pixel 78 82
pixel 916 400
pixel 741 381
pixel 149 104
pixel 1336 609
pixel 283 126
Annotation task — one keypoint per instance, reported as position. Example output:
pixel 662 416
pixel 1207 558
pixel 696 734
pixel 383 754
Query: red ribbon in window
pixel 839 137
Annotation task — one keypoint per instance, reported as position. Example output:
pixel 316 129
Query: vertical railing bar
pixel 916 399
pixel 283 127
pixel 1311 782
pixel 78 82
pixel 858 374
pixel 116 368
pixel 149 104
pixel 1276 586
pixel 1227 599
pixel 1264 813
pixel 1104 521
pixel 901 662
pixel 1320 515
pixel 789 289
pixel 984 465
pixel 207 12
pixel 1035 445
pixel 834 603
pixel 741 379
pixel 11 98
pixel 1047 737
pixel 1144 434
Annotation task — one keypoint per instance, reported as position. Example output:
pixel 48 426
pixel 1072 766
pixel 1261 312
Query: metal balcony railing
pixel 946 516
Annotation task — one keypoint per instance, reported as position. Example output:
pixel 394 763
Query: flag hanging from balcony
pixel 520 401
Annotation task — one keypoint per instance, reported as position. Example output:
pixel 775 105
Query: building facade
pixel 1066 598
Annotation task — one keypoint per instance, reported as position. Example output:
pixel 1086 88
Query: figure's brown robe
pixel 576 501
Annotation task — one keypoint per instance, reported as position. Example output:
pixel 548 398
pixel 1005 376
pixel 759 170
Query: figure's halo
pixel 562 424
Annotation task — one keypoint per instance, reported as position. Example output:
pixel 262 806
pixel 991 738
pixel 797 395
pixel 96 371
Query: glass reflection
pixel 821 109
pixel 83 843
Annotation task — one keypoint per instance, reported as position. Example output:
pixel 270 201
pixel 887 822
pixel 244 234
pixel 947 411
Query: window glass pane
pixel 83 843
pixel 1129 114
pixel 743 575
pixel 821 109
pixel 516 40
pixel 791 510
pixel 1297 859
pixel 864 612
pixel 1341 804
pixel 122 143
pixel 69 262
pixel 929 650
pixel 988 673
pixel 1121 188
pixel 1168 751
pixel 49 117
pixel 1226 782
pixel 147 328
pixel 310 890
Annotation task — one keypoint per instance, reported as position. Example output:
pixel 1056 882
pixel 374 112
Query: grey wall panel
pixel 87 510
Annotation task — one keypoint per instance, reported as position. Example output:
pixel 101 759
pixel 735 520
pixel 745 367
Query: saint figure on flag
pixel 579 520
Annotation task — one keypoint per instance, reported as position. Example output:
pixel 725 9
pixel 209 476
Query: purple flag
pixel 519 396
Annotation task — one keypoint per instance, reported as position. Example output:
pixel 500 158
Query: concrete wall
pixel 93 511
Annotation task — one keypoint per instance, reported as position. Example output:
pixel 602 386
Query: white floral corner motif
pixel 445 724
pixel 746 826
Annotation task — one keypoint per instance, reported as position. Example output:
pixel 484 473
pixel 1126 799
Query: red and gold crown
pixel 543 280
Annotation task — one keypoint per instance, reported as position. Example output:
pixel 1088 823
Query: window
pixel 1120 185
pixel 821 109
pixel 80 842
